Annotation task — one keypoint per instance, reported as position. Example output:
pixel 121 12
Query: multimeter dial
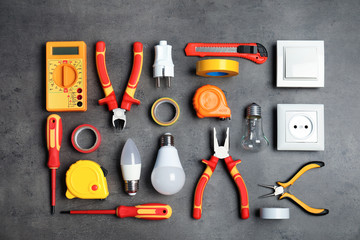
pixel 65 75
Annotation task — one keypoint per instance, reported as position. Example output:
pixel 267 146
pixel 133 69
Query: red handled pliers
pixel 221 152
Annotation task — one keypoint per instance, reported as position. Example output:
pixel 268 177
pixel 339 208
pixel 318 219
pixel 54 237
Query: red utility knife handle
pixel 150 211
pixel 259 57
pixel 53 140
pixel 244 199
pixel 204 179
pixel 110 98
pixel 128 97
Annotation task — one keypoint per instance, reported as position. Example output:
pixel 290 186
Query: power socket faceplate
pixel 300 127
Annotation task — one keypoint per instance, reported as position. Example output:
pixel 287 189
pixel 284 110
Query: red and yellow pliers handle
pixel 110 98
pixel 244 199
pixel 205 177
pixel 128 97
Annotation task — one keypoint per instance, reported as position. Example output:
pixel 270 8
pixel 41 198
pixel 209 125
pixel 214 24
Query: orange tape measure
pixel 210 101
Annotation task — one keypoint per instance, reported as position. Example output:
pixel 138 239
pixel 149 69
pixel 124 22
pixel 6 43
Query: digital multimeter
pixel 66 76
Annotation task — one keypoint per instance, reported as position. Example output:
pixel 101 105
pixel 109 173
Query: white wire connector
pixel 163 64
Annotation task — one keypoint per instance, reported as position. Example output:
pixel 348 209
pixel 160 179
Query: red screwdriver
pixel 150 211
pixel 53 142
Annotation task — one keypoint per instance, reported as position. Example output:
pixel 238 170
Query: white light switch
pixel 300 64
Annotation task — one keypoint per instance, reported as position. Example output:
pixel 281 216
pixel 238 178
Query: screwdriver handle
pixel 53 140
pixel 150 211
pixel 128 97
pixel 110 98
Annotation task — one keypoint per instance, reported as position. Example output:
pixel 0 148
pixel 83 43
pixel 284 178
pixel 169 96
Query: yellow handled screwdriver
pixel 150 211
pixel 53 142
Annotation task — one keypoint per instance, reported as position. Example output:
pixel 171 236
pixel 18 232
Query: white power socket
pixel 300 127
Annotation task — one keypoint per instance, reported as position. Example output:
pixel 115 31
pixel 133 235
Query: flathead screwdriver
pixel 150 211
pixel 53 142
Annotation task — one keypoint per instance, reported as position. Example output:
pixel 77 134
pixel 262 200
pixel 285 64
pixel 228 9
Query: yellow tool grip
pixel 314 211
pixel 306 167
pixel 53 132
pixel 150 211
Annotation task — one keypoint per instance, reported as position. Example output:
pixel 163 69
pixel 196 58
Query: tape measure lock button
pixel 217 68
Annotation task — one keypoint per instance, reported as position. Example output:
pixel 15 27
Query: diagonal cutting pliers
pixel 119 117
pixel 281 189
pixel 221 152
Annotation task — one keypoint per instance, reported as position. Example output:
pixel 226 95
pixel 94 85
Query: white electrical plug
pixel 163 64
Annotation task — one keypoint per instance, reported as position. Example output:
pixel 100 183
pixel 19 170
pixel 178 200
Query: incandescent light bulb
pixel 130 167
pixel 254 139
pixel 168 176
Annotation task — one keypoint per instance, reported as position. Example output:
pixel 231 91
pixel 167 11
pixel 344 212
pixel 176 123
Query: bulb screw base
pixel 131 187
pixel 167 140
pixel 253 110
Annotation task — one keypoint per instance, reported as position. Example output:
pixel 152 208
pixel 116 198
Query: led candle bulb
pixel 168 176
pixel 130 167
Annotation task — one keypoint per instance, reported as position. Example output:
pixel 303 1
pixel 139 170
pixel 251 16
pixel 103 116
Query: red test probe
pixel 53 142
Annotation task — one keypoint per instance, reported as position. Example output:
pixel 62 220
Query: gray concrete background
pixel 25 27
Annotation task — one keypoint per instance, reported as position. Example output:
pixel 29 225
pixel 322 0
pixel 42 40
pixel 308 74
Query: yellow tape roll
pixel 155 106
pixel 217 68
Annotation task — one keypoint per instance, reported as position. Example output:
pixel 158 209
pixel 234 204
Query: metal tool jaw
pixel 119 118
pixel 278 190
pixel 221 152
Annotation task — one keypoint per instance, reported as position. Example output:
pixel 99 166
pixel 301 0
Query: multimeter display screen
pixel 65 51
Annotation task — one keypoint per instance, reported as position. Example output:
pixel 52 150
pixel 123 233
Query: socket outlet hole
pixel 301 126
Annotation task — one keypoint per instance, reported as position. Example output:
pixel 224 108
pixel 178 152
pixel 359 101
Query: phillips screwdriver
pixel 53 142
pixel 150 211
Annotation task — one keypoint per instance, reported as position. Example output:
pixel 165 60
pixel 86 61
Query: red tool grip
pixel 150 211
pixel 128 97
pixel 110 98
pixel 204 179
pixel 53 140
pixel 244 200
pixel 259 57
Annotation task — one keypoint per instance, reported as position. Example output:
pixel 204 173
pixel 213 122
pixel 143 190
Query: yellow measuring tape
pixel 155 106
pixel 217 68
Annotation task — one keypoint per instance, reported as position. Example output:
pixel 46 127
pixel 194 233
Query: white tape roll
pixel 274 213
